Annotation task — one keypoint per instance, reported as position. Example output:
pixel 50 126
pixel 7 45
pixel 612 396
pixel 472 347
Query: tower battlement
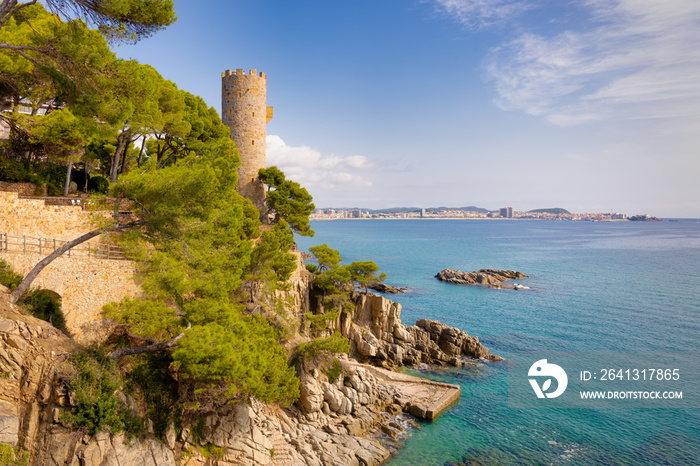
pixel 240 72
pixel 244 110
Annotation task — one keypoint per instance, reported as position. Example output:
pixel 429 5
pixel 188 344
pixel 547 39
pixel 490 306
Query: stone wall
pixel 25 189
pixel 85 284
pixel 32 217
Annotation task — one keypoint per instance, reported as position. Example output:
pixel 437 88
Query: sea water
pixel 594 286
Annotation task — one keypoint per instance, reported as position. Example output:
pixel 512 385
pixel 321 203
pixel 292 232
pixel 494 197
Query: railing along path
pixel 31 245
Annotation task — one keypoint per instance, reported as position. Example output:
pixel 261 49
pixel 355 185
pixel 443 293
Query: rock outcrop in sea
pixel 384 288
pixel 378 337
pixel 487 277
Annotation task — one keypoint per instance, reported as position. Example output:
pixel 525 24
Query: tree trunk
pixel 24 285
pixel 87 176
pixel 9 8
pixel 143 144
pixel 126 153
pixel 116 354
pixel 70 168
pixel 115 159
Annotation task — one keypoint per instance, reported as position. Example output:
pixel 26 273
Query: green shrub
pixel 53 190
pixel 45 305
pixel 13 170
pixel 334 371
pixel 7 453
pixel 335 343
pixel 210 451
pixel 53 174
pixel 8 277
pixel 311 268
pixel 159 390
pixel 321 322
pixel 98 184
pixel 96 382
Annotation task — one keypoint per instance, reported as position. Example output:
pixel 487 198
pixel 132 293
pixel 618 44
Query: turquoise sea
pixel 618 287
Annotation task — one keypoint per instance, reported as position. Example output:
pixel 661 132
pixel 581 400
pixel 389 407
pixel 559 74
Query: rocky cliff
pixel 337 421
pixel 328 427
pixel 33 395
pixel 377 336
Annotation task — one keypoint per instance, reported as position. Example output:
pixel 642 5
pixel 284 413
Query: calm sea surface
pixel 622 286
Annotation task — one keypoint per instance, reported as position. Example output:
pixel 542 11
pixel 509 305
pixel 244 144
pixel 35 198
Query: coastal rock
pixel 312 395
pixel 9 424
pixel 378 336
pixel 104 448
pixel 487 277
pixel 453 341
pixel 384 288
pixel 325 427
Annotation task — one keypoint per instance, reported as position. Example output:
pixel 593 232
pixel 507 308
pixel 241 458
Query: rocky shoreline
pixel 347 421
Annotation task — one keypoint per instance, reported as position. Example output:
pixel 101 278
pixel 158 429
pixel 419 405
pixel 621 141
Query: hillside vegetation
pixel 553 210
pixel 211 325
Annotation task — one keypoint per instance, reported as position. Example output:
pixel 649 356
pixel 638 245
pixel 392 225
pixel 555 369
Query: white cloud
pixel 635 59
pixel 476 14
pixel 312 169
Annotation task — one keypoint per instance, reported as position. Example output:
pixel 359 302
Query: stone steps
pixel 282 452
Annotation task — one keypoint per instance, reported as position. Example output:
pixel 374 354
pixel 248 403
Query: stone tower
pixel 245 111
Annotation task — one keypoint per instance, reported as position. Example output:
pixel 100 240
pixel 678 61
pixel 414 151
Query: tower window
pixel 252 143
pixel 253 113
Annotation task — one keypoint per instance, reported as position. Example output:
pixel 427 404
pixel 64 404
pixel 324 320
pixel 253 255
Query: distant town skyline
pixel 591 105
pixel 473 212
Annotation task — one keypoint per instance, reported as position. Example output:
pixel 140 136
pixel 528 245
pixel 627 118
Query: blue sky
pixel 590 105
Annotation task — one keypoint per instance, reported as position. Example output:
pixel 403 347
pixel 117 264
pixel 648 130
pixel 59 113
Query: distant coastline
pixel 506 213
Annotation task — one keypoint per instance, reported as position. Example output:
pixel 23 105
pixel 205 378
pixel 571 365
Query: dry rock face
pixel 378 336
pixel 73 449
pixel 259 434
pixel 488 277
